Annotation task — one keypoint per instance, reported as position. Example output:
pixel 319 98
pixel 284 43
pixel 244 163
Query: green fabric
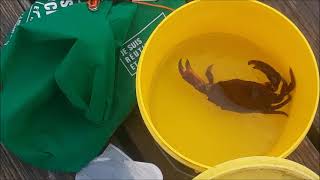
pixel 68 78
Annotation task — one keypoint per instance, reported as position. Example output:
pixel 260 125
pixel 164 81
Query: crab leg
pixel 286 89
pixel 275 112
pixel 191 77
pixel 292 84
pixel 273 76
pixel 209 74
pixel 278 106
pixel 283 92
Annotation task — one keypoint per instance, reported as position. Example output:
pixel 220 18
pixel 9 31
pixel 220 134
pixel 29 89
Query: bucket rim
pixel 258 163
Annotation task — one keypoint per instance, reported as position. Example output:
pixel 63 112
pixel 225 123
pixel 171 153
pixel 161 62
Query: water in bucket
pixel 196 127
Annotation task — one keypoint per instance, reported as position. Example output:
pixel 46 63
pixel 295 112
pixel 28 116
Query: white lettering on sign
pixel 66 3
pixel 123 52
pixel 50 7
pixel 132 48
pixel 36 11
pixel 130 53
pixel 39 9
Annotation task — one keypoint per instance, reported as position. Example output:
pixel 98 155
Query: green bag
pixel 68 78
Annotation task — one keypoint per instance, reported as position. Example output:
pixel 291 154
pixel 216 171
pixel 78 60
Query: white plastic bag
pixel 114 164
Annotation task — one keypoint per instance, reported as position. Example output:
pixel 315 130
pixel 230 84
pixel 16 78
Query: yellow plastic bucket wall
pixel 259 167
pixel 258 23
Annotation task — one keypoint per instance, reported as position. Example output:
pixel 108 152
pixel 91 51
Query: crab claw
pixel 287 88
pixel 292 84
pixel 273 76
pixel 181 68
pixel 209 74
pixel 191 77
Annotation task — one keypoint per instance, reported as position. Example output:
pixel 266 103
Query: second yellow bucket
pixel 258 168
pixel 225 34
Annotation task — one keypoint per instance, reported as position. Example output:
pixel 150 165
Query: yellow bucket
pixel 258 168
pixel 226 34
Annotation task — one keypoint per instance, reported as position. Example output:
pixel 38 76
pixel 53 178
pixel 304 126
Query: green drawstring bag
pixel 68 78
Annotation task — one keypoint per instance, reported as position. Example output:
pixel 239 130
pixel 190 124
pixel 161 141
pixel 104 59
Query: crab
pixel 240 95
